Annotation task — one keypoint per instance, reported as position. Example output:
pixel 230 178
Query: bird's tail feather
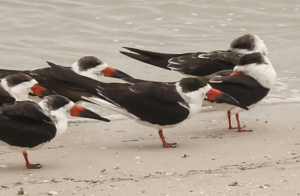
pixel 6 72
pixel 109 105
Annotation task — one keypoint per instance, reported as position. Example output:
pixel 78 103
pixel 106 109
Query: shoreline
pixel 125 158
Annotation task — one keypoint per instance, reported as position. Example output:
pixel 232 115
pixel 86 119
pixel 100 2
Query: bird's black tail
pixel 6 72
pixel 152 58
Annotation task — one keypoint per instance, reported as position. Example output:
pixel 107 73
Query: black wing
pixel 6 72
pixel 5 97
pixel 196 64
pixel 225 56
pixel 243 88
pixel 143 99
pixel 25 109
pixel 24 132
pixel 153 58
pixel 57 84
pixel 159 91
pixel 202 63
pixel 24 124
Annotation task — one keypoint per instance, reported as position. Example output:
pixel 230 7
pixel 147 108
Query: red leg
pixel 229 120
pixel 30 166
pixel 165 144
pixel 238 123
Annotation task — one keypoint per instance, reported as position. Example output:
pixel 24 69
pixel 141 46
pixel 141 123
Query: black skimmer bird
pixel 27 125
pixel 156 104
pixel 201 63
pixel 89 66
pixel 251 80
pixel 15 87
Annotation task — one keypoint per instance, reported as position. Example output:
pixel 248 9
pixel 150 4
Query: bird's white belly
pixel 21 149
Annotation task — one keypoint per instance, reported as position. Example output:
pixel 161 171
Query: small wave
pixel 280 101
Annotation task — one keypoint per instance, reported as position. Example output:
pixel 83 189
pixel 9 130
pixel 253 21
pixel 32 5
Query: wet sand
pixel 125 158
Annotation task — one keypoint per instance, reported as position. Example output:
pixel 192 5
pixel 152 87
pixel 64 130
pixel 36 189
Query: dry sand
pixel 125 158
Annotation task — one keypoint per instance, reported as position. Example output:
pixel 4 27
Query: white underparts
pixel 263 73
pixel 193 98
pixel 59 116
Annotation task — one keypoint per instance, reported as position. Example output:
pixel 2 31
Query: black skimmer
pixel 27 125
pixel 251 80
pixel 201 63
pixel 156 104
pixel 89 66
pixel 15 87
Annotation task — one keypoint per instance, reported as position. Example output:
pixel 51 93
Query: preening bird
pixel 201 63
pixel 251 80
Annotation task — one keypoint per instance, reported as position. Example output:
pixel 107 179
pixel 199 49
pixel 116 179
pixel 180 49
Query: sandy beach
pixel 125 158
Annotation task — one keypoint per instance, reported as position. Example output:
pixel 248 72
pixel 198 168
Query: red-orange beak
pixel 210 95
pixel 86 113
pixel 114 73
pixel 220 97
pixel 39 90
pixel 236 73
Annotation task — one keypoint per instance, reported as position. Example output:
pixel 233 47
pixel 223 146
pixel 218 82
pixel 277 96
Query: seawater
pixel 62 31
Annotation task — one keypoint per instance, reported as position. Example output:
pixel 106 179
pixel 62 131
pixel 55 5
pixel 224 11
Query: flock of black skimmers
pixel 232 80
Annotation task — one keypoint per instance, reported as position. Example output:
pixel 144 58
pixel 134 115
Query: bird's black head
pixel 251 58
pixel 246 42
pixel 192 84
pixel 55 102
pixel 88 62
pixel 18 78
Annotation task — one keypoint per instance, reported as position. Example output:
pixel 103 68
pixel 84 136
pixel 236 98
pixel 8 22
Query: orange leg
pixel 165 144
pixel 30 166
pixel 229 120
pixel 238 123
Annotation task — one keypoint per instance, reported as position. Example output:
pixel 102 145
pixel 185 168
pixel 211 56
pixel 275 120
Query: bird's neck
pixel 58 117
pixel 18 92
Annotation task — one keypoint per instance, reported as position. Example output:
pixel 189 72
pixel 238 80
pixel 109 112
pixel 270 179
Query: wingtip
pixel 123 52
pixel 50 63
pixel 128 48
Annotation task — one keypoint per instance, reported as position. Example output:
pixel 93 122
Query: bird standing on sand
pixel 251 80
pixel 156 104
pixel 27 125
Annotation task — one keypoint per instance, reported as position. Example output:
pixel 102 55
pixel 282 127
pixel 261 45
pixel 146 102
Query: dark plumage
pixel 25 120
pixel 56 84
pixel 157 104
pixel 201 63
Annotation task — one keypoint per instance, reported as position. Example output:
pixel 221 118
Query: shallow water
pixel 62 31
